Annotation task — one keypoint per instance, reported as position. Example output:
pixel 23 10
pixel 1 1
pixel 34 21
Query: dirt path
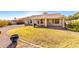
pixel 4 39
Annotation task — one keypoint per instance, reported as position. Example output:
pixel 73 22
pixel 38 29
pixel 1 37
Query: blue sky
pixel 18 14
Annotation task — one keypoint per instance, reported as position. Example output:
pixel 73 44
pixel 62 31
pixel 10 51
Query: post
pixel 54 21
pixel 63 24
pixel 45 22
pixel 0 32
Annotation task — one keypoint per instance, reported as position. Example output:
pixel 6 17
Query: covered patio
pixel 48 20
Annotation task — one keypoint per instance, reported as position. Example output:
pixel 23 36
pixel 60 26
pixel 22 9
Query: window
pixel 56 21
pixel 38 21
pixel 48 21
pixel 30 21
pixel 52 21
pixel 41 21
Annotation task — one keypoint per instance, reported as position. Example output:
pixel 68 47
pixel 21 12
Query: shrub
pixel 73 26
pixel 10 23
pixel 4 23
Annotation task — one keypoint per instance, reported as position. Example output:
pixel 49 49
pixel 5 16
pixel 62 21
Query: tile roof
pixel 47 16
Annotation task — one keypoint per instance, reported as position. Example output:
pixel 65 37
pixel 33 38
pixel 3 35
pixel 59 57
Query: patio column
pixel 45 22
pixel 60 21
pixel 54 20
pixel 63 25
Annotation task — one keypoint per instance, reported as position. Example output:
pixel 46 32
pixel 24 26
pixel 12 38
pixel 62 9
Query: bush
pixel 9 23
pixel 73 26
pixel 4 23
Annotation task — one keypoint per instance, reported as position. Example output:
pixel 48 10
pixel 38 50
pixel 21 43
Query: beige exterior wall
pixel 63 25
pixel 36 22
pixel 46 22
pixel 26 22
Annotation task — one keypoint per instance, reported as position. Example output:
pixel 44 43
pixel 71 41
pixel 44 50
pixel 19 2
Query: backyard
pixel 48 38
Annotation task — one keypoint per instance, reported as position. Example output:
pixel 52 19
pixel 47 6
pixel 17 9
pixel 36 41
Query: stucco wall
pixel 49 23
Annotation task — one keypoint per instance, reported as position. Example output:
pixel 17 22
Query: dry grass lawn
pixel 49 38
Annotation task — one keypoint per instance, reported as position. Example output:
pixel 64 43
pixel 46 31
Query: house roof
pixel 47 16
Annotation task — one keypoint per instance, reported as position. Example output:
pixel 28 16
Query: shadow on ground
pixel 12 45
pixel 57 28
pixel 53 27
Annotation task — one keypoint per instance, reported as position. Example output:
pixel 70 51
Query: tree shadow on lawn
pixel 58 28
pixel 12 45
pixel 53 27
pixel 61 28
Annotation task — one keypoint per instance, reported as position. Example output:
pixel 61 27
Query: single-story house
pixel 46 20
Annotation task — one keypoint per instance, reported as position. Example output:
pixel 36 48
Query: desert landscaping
pixel 39 31
pixel 48 38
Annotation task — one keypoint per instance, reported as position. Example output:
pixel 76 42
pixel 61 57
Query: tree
pixel 73 17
